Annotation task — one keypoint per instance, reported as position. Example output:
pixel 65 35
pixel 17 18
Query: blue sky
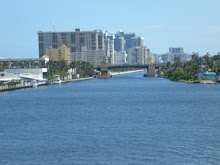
pixel 192 24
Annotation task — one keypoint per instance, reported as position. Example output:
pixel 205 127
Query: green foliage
pixel 84 69
pixel 57 68
pixel 12 83
pixel 188 70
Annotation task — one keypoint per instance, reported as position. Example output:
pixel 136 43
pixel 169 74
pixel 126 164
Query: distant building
pixel 109 47
pixel 94 57
pixel 61 53
pixel 128 39
pixel 137 41
pixel 156 58
pixel 178 50
pixel 137 55
pixel 74 40
pixel 120 58
pixel 120 43
pixel 172 54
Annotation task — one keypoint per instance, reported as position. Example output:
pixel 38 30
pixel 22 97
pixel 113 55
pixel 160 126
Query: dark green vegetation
pixel 11 83
pixel 84 69
pixel 188 70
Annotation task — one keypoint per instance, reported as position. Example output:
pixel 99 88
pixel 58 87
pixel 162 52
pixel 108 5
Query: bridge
pixel 105 68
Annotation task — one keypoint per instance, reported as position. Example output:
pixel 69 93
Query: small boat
pixel 56 79
pixel 145 75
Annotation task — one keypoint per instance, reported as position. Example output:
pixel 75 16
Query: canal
pixel 127 119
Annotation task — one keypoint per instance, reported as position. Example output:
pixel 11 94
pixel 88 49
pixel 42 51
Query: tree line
pixel 84 69
pixel 189 70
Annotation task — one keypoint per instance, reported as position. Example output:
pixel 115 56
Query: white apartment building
pixel 120 58
pixel 137 55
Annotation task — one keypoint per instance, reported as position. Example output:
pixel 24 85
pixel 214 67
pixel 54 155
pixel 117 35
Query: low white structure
pixel 32 74
pixel 4 76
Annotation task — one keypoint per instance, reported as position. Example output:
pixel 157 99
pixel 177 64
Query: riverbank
pixel 133 71
pixel 79 79
pixel 30 85
pixel 192 81
pixel 14 87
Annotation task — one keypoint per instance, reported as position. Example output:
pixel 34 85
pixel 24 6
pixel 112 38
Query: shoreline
pixel 126 72
pixel 192 82
pixel 76 80
pixel 19 86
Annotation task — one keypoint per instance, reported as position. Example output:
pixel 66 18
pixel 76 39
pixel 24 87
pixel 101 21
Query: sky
pixel 192 24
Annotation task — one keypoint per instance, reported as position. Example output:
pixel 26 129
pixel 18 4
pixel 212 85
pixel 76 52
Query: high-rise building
pixel 109 46
pixel 128 38
pixel 120 58
pixel 137 55
pixel 94 57
pixel 120 43
pixel 137 41
pixel 174 53
pixel 74 40
pixel 176 50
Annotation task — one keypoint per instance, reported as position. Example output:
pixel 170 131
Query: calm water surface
pixel 124 120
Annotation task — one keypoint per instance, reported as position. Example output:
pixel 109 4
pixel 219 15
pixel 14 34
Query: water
pixel 124 120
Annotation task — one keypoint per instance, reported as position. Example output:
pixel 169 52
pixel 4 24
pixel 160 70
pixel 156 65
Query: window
pixel 82 40
pixel 73 38
pixel 73 49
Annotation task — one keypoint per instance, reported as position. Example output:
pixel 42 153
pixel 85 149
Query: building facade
pixel 128 39
pixel 137 55
pixel 74 40
pixel 120 43
pixel 94 57
pixel 61 53
pixel 110 47
pixel 137 41
pixel 172 54
pixel 120 58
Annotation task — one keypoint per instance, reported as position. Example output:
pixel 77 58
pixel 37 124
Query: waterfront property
pixel 91 46
pixel 35 76
pixel 171 55
pixel 74 40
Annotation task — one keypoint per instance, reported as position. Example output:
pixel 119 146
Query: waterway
pixel 127 119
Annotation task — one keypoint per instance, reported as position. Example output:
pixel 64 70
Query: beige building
pixel 137 55
pixel 62 53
